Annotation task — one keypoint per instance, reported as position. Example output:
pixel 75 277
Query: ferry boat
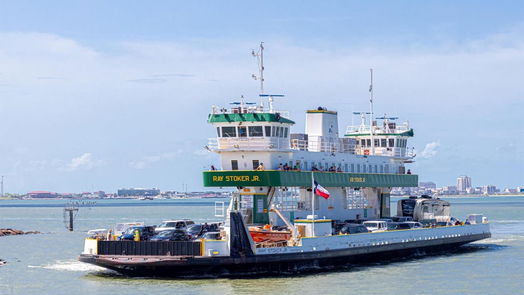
pixel 298 199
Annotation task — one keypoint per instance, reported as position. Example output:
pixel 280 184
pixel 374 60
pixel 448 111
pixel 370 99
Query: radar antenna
pixel 260 60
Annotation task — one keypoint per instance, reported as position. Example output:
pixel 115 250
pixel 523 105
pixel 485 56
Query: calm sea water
pixel 46 263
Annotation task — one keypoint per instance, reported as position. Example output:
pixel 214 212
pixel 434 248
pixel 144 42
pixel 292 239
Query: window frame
pixel 250 131
pixel 233 128
pixel 266 133
pixel 240 134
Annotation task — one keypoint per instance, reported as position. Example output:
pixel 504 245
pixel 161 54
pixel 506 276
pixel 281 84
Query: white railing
pixel 319 145
pixel 275 143
pixel 383 151
pixel 249 143
pixel 399 128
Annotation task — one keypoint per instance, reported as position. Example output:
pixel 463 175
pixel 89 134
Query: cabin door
pixel 260 211
pixel 384 205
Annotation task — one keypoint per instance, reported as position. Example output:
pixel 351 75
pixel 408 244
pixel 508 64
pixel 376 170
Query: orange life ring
pixel 366 152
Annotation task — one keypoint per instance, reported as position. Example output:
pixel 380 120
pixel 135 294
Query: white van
pixel 376 225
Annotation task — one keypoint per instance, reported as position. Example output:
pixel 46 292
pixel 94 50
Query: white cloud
pixel 147 161
pixel 84 161
pixel 430 150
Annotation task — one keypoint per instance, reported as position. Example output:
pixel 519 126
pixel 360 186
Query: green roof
pixel 236 178
pixel 247 117
pixel 409 133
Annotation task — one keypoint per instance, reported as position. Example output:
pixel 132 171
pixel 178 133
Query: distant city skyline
pixel 99 96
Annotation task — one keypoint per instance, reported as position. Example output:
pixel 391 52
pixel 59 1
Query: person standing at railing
pixel 280 167
pixel 261 167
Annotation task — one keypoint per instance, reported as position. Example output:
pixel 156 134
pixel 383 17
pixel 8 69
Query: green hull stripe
pixel 237 178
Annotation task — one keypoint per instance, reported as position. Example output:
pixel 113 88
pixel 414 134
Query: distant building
pixel 449 190
pixel 138 192
pixel 427 185
pixel 41 194
pixel 489 189
pixel 463 183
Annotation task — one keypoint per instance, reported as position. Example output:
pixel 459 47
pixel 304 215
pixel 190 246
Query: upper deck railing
pixel 271 143
pixel 384 129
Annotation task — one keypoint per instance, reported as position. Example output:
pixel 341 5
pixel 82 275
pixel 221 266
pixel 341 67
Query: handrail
pixel 272 143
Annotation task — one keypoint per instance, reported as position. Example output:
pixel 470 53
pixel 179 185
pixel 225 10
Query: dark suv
pixel 145 233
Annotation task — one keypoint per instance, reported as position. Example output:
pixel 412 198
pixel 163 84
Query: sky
pixel 101 95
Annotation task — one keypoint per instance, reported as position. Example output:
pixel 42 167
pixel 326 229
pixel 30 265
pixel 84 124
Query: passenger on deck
pixel 286 167
pixel 409 172
pixel 339 169
pixel 261 167
pixel 213 168
pixel 314 168
pixel 280 167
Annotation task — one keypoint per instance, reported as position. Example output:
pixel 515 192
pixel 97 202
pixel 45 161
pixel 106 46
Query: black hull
pixel 273 264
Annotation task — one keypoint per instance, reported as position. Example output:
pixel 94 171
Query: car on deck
pixel 180 224
pixel 171 235
pixel 144 232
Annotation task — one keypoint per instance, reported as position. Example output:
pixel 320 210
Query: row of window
pixel 253 131
pixel 383 142
pixel 355 168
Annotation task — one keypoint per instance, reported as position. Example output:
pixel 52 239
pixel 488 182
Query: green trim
pixel 321 111
pixel 247 117
pixel 236 178
pixel 409 133
pixel 312 221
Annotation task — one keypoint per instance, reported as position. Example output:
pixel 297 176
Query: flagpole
pixel 313 202
pixel 371 113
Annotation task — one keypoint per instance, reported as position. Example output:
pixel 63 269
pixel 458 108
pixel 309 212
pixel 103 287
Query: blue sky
pixel 98 95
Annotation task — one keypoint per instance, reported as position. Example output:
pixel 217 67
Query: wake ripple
pixel 70 265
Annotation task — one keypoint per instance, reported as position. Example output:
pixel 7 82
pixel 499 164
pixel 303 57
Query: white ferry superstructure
pixel 276 224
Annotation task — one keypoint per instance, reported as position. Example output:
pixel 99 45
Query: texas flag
pixel 319 190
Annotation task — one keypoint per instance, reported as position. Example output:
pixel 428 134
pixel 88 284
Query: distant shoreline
pixel 471 196
pixel 84 199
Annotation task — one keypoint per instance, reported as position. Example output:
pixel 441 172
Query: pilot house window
pixel 229 132
pixel 255 131
pixel 242 131
pixel 268 130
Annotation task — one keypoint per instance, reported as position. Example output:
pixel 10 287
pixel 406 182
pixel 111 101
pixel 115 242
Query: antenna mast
pixel 371 112
pixel 2 188
pixel 260 58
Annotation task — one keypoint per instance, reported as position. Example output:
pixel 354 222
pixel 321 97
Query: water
pixel 46 263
